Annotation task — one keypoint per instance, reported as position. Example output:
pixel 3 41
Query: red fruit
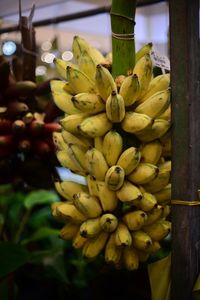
pixel 6 140
pixel 15 108
pixel 49 128
pixel 5 126
pixel 18 127
pixel 41 147
pixel 36 128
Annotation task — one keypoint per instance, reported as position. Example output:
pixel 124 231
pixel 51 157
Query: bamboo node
pixel 123 36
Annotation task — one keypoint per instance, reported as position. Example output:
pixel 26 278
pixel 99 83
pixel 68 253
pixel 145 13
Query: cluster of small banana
pixel 122 210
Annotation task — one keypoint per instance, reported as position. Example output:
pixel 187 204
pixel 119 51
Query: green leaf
pixel 40 197
pixel 12 256
pixel 41 233
pixel 40 218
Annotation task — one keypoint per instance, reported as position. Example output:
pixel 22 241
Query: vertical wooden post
pixel 185 57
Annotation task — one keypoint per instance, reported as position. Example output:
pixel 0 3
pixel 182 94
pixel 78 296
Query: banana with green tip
pixel 130 89
pixel 90 228
pixel 115 108
pixel 122 235
pixel 96 163
pixel 95 245
pixel 108 222
pixel 88 103
pixel 104 82
pixel 87 204
pixel 115 177
pixel 144 173
pixel 135 219
pixel 112 146
pixel 136 123
pixel 151 152
pixel 129 193
pixel 129 159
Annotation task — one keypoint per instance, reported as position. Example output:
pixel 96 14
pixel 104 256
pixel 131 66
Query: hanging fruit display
pixel 115 133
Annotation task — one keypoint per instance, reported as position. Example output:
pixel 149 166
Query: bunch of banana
pixel 122 209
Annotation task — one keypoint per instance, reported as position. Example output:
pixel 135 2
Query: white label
pixel 160 61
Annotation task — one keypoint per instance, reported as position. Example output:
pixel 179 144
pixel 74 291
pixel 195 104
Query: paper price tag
pixel 160 61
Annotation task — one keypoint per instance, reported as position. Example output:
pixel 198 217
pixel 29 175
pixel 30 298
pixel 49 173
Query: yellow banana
pixel 107 197
pixel 79 82
pixel 135 219
pixel 166 115
pixel 130 258
pixel 130 89
pixel 108 222
pixel 166 143
pixel 57 185
pixel 64 102
pixel 78 155
pixel 147 203
pixel 159 230
pixel 96 163
pixel 164 195
pixel 54 207
pixel 96 55
pixel 61 67
pixel 128 193
pixel 141 240
pixel 154 215
pixel 115 108
pixel 112 252
pixel 144 173
pixel 69 231
pixel 57 86
pixel 90 228
pixel 136 123
pixel 112 146
pixel 95 245
pixel 157 84
pixel 92 185
pixel 68 212
pixel 87 65
pixel 88 103
pixel 70 123
pixel 66 160
pixel 165 166
pixel 142 51
pixel 58 141
pixel 153 248
pixel 143 69
pixel 78 241
pixel 87 204
pixel 79 45
pixel 155 105
pixel 156 131
pixel 94 126
pixel 129 159
pixel 158 183
pixel 151 152
pixel 166 211
pixel 104 82
pixel 122 235
pixel 115 177
pixel 98 143
pixel 70 188
pixel 82 142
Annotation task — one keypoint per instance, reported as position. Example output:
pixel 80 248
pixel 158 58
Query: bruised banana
pixel 136 123
pixel 88 103
pixel 130 89
pixel 135 219
pixel 122 235
pixel 112 146
pixel 151 152
pixel 128 193
pixel 104 82
pixel 130 258
pixel 69 231
pixel 94 126
pixel 129 160
pixel 71 123
pixel 68 212
pixel 115 108
pixel 96 163
pixel 90 228
pixel 107 197
pixel 95 245
pixel 88 205
pixel 108 222
pixel 144 173
pixel 112 252
pixel 141 240
pixel 155 105
pixel 115 177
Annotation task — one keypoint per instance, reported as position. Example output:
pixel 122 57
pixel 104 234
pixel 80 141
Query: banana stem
pixel 123 43
pixel 22 225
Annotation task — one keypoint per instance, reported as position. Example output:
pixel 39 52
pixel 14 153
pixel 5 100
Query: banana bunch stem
pixel 123 43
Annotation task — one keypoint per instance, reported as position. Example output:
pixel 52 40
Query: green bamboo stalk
pixel 123 22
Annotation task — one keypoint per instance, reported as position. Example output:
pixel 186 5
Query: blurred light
pixel 67 55
pixel 47 57
pixel 46 46
pixel 40 70
pixel 9 48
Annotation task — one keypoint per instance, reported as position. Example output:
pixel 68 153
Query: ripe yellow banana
pixel 61 67
pixel 57 185
pixel 129 159
pixel 82 142
pixel 68 212
pixel 90 228
pixel 115 108
pixel 130 89
pixel 135 219
pixel 115 177
pixel 158 83
pixel 95 245
pixel 58 141
pixel 79 45
pixel 54 207
pixel 94 126
pixel 69 231
pixel 104 82
pixel 144 173
pixel 112 252
pixel 98 143
pixel 128 193
pixel 122 235
pixel 108 222
pixel 142 51
pixel 78 155
pixel 78 241
pixel 164 196
pixel 147 203
pixel 88 103
pixel 79 82
pixel 57 86
pixel 70 188
pixel 64 102
pixel 166 115
pixel 70 123
pixel 156 131
pixel 159 182
pixel 143 69
pixel 154 215
pixel 92 185
pixel 87 65
pixel 151 152
pixel 107 197
pixel 141 240
pixel 159 230
pixel 96 163
pixel 66 160
pixel 153 248
pixel 166 211
pixel 130 258
pixel 96 55
pixel 136 123
pixel 112 146
pixel 87 204
pixel 166 143
pixel 155 105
